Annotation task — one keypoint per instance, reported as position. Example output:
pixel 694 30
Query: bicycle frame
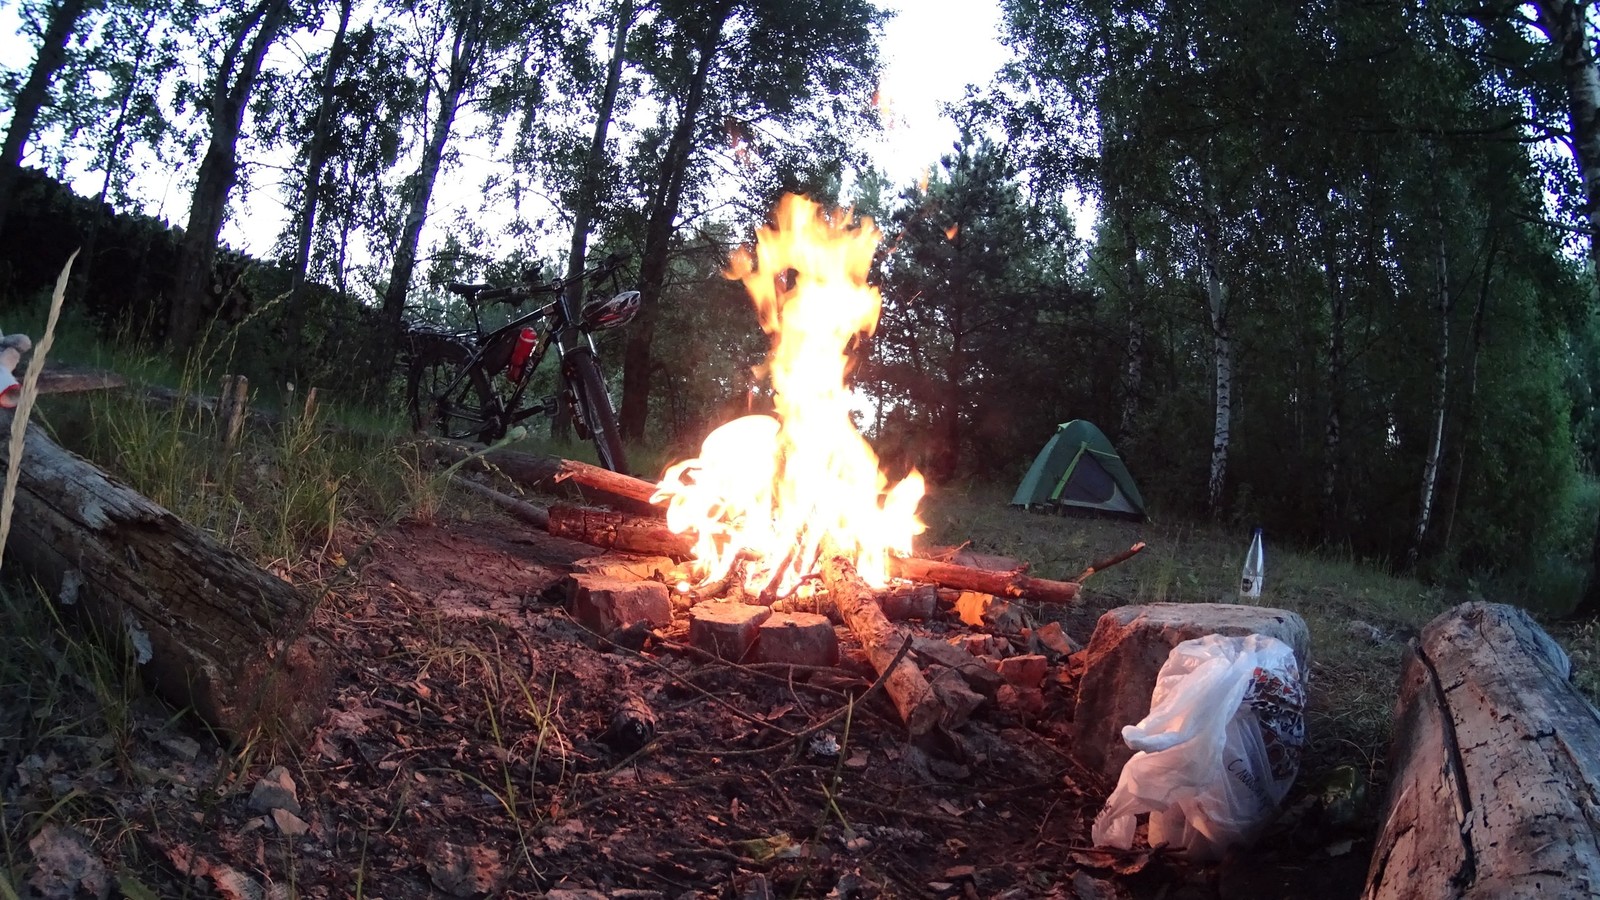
pixel 560 335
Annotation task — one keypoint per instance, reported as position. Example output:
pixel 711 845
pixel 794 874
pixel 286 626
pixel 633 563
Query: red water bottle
pixel 520 353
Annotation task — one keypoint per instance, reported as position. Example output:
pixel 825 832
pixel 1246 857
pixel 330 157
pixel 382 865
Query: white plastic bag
pixel 1218 750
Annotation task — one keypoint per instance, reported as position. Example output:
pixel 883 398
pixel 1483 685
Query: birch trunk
pixel 1133 368
pixel 466 44
pixel 1441 383
pixel 311 185
pixel 589 189
pixel 638 362
pixel 1564 24
pixel 219 170
pixel 35 93
pixel 1222 349
pixel 111 153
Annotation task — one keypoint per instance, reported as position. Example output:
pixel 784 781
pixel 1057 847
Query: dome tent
pixel 1079 471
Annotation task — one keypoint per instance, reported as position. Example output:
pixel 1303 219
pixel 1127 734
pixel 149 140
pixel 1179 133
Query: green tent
pixel 1079 471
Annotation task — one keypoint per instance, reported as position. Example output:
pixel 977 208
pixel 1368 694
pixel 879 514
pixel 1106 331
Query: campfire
pixel 772 496
pixel 787 519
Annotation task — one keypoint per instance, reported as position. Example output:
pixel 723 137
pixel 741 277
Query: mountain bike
pixel 472 385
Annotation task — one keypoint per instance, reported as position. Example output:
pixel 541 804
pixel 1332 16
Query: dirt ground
pixel 469 749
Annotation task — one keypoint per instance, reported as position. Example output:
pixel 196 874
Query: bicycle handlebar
pixel 515 295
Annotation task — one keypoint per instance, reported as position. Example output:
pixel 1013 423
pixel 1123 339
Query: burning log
pixel 639 534
pixel 913 697
pixel 616 531
pixel 208 628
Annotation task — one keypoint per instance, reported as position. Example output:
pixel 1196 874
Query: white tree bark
pixel 1441 383
pixel 1222 348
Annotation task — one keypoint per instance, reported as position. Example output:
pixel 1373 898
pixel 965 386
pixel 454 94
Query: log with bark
pixel 1495 762
pixel 910 692
pixel 549 473
pixel 640 534
pixel 210 631
pixel 68 381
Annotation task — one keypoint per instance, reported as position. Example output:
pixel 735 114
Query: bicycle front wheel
pixel 594 408
pixel 445 400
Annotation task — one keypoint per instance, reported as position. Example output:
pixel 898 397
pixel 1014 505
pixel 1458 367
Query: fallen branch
pixel 1110 561
pixel 537 516
pixel 1001 584
pixel 905 684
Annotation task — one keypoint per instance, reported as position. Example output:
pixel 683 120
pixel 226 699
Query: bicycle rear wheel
pixel 464 412
pixel 583 376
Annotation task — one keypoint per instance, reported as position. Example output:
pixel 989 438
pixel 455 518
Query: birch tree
pixel 231 84
pixel 62 18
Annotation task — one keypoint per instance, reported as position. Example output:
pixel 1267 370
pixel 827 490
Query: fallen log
pixel 208 629
pixel 905 684
pixel 641 534
pixel 1495 767
pixel 68 381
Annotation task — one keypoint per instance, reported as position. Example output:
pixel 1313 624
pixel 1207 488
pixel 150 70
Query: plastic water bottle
pixel 1254 569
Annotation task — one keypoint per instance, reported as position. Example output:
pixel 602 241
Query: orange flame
pixel 775 493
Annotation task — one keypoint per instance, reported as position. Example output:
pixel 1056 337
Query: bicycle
pixel 452 376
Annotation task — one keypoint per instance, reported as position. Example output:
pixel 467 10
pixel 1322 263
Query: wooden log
pixel 1000 584
pixel 910 692
pixel 211 631
pixel 67 381
pixel 1495 767
pixel 552 474
pixel 640 534
pixel 616 531
pixel 615 483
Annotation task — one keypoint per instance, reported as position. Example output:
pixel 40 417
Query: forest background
pixel 1323 267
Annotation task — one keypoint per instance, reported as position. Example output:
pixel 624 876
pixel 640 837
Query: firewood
pixel 910 692
pixel 614 483
pixel 617 531
pixel 1000 584
pixel 211 631
pixel 638 534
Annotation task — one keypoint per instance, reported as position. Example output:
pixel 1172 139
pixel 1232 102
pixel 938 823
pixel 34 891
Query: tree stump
pixel 1495 786
pixel 210 630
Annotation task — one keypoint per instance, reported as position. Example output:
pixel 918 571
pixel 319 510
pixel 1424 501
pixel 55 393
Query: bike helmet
pixel 601 313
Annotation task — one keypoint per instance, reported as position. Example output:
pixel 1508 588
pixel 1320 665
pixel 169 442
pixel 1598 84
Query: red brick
pixel 726 630
pixel 1025 671
pixel 800 639
pixel 603 604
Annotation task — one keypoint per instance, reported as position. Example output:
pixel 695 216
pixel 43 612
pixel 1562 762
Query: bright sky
pixel 932 49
